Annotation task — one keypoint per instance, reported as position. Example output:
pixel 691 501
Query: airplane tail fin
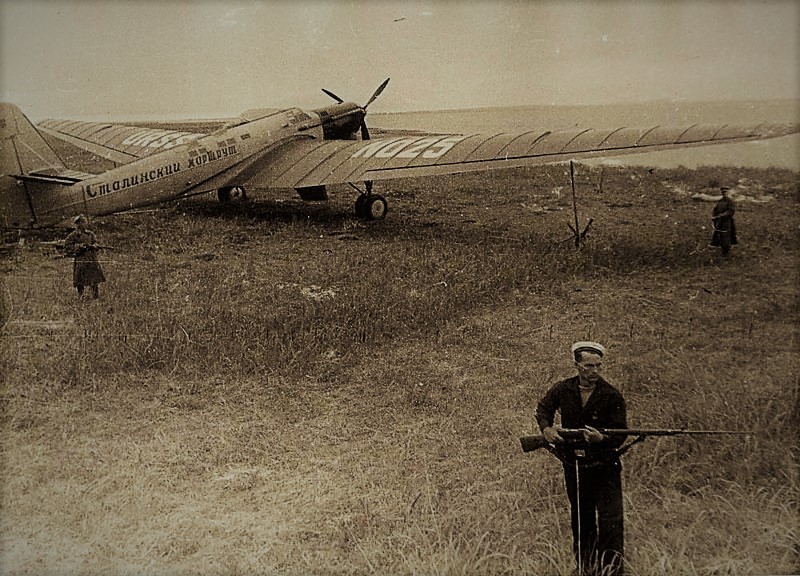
pixel 23 152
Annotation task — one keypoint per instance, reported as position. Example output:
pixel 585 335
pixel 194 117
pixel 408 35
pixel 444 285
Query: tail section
pixel 24 157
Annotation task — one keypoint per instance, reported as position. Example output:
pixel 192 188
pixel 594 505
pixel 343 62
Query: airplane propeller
pixel 332 95
pixel 364 129
pixel 368 205
pixel 377 93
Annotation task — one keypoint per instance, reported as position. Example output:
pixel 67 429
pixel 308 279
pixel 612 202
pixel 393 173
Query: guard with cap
pixel 82 245
pixel 724 234
pixel 592 468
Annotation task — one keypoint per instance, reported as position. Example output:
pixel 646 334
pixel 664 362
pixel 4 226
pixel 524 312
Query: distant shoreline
pixel 779 102
pixel 786 106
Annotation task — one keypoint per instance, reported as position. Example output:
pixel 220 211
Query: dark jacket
pixel 724 233
pixel 86 270
pixel 604 409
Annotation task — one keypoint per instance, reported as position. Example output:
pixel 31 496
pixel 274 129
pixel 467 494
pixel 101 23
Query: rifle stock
pixel 531 443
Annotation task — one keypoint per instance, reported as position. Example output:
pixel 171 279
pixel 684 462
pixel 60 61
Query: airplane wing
pixel 301 162
pixel 306 162
pixel 116 142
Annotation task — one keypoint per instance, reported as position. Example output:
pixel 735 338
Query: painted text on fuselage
pixel 125 182
pixel 203 156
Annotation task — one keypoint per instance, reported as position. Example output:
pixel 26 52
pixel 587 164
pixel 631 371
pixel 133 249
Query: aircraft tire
pixel 375 207
pixel 231 193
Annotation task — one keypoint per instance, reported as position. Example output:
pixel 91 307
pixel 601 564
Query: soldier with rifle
pixel 82 245
pixel 592 469
pixel 589 444
pixel 724 234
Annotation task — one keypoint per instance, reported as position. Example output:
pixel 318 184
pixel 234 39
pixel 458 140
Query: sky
pixel 169 59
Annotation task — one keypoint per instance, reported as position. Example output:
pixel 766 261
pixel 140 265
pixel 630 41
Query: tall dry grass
pixel 283 389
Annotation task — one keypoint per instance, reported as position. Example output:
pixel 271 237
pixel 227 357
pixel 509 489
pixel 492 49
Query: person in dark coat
pixel 724 234
pixel 592 468
pixel 82 245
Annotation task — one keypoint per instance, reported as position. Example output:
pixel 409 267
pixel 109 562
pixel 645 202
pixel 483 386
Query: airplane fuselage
pixel 201 163
pixel 290 148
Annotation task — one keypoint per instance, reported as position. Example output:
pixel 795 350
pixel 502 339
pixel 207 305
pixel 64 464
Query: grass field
pixel 281 388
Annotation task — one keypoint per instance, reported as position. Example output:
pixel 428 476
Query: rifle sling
pixel 628 446
pixel 619 452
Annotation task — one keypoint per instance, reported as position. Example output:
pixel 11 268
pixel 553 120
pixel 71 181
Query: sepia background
pixel 200 59
pixel 281 388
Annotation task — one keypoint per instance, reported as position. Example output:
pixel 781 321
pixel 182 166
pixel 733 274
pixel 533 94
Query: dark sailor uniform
pixel 724 234
pixel 592 472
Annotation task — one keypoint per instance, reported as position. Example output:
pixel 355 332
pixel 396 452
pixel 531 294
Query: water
pixel 779 152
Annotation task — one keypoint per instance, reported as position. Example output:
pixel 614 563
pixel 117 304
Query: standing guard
pixel 82 245
pixel 724 234
pixel 592 469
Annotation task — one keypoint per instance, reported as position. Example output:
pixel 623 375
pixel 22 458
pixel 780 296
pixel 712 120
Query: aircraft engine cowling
pixel 341 121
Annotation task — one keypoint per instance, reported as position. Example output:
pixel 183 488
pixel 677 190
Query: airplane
pixel 285 149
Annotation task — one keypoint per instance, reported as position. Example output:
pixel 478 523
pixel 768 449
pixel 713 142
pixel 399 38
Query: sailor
pixel 724 234
pixel 592 469
pixel 82 245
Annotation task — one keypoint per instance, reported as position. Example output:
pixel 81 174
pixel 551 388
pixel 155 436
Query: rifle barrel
pixel 663 432
pixel 531 443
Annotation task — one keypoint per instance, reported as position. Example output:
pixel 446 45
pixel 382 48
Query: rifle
pixel 531 443
pixel 90 248
pixel 59 245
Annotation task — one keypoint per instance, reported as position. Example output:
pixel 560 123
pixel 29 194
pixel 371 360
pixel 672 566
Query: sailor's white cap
pixel 592 347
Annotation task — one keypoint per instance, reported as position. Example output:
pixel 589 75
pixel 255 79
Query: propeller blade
pixel 364 131
pixel 377 92
pixel 332 95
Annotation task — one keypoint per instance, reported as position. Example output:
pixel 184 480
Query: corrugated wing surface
pixel 311 162
pixel 116 142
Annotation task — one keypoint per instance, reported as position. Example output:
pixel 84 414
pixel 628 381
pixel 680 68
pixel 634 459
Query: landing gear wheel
pixel 231 193
pixel 372 206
